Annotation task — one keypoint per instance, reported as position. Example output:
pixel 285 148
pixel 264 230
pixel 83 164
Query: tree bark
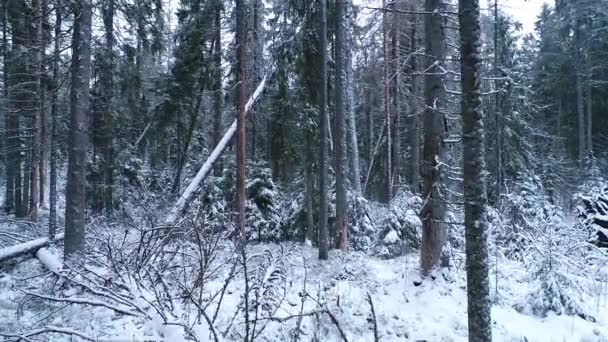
pixel 54 109
pixel 37 115
pixel 351 117
pixel 414 134
pixel 241 151
pixel 589 119
pixel 9 199
pixel 580 104
pixel 387 106
pixel 396 99
pixel 78 137
pixel 432 212
pixel 107 84
pixel 323 197
pixel 476 225
pixel 497 110
pixel 341 98
pixel 218 91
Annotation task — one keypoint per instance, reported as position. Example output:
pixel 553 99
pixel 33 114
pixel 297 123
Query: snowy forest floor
pixel 292 284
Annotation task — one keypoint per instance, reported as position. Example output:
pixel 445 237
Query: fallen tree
pixel 30 247
pixel 188 194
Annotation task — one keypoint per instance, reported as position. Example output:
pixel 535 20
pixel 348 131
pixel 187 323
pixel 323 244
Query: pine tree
pixel 241 152
pixel 433 231
pixel 476 225
pixel 340 120
pixel 323 150
pixel 78 140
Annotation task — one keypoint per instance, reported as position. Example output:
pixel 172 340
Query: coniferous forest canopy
pixel 303 170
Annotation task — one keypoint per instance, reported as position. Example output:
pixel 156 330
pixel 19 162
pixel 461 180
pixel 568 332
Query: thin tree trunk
pixel 352 123
pixel 241 148
pixel 580 104
pixel 107 83
pixel 341 83
pixel 44 138
pixel 396 99
pixel 54 109
pixel 37 116
pixel 476 225
pixel 497 110
pixel 78 139
pixel 414 135
pixel 387 106
pixel 10 131
pixel 308 235
pixel 218 91
pixel 589 120
pixel 323 196
pixel 432 212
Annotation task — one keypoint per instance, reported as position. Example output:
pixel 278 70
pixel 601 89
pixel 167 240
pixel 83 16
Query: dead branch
pixel 83 301
pixel 374 321
pixel 47 330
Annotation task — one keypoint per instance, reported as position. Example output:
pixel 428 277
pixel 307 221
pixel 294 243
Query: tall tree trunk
pixel 9 121
pixel 218 91
pixel 589 119
pixel 308 235
pixel 324 137
pixel 107 84
pixel 352 123
pixel 78 137
pixel 387 105
pixel 241 151
pixel 414 134
pixel 54 110
pixel 476 225
pixel 433 231
pixel 498 109
pixel 44 138
pixel 37 115
pixel 396 98
pixel 341 46
pixel 580 104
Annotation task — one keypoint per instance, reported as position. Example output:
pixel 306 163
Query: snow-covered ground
pixel 434 311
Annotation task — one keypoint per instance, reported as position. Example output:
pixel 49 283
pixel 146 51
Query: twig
pixel 50 329
pixel 84 301
pixel 375 322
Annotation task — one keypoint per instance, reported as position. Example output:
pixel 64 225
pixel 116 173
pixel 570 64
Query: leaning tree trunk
pixel 323 196
pixel 78 139
pixel 476 225
pixel 433 231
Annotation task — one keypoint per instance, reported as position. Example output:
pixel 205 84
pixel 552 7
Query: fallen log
pixel 30 247
pixel 185 199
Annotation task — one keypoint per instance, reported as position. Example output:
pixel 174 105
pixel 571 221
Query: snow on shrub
pixel 263 221
pixel 592 211
pixel 401 226
pixel 554 252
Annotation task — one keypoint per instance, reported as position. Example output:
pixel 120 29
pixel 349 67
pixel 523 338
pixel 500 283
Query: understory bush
pixel 537 232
